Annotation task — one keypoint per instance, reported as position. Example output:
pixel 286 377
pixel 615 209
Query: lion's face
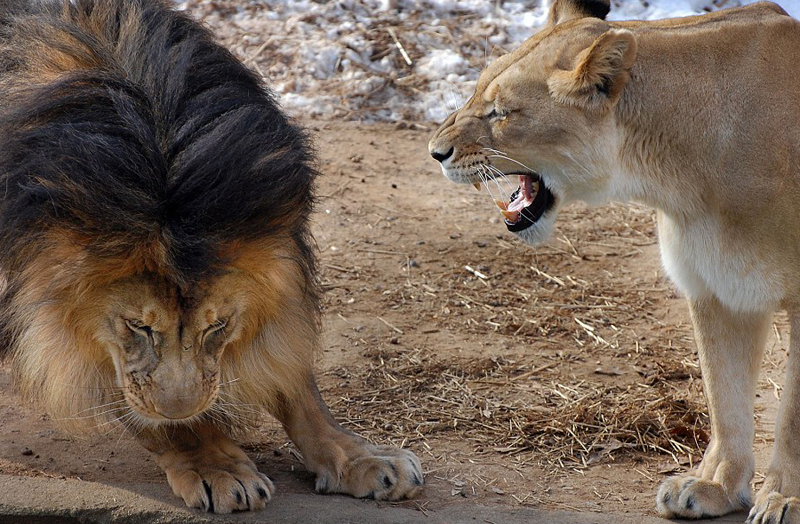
pixel 166 348
pixel 541 118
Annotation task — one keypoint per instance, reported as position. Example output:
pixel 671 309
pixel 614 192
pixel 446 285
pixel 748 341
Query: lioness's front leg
pixel 778 500
pixel 344 462
pixel 730 345
pixel 208 470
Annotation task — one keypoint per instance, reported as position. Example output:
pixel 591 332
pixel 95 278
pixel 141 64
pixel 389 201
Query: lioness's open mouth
pixel 527 204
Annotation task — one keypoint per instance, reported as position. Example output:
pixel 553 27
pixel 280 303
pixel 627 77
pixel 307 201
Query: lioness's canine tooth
pixel 477 186
pixel 511 216
pixel 502 205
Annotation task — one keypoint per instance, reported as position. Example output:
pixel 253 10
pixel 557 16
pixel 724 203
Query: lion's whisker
pixel 229 382
pixel 98 388
pixel 94 415
pixel 218 416
pixel 121 401
pixel 118 422
pixel 130 425
pixel 251 408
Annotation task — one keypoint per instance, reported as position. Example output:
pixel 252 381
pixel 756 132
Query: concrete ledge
pixel 27 500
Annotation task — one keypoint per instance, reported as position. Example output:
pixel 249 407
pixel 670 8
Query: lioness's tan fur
pixel 698 117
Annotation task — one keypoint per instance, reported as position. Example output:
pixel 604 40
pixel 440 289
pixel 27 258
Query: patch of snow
pixel 343 58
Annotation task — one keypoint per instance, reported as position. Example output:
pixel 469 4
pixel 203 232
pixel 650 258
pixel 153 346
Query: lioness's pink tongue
pixel 526 183
pixel 511 210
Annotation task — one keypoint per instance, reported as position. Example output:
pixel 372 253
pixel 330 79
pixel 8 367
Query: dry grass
pixel 502 407
pixel 602 374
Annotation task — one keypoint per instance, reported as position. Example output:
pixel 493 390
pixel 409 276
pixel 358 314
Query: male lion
pixel 698 117
pixel 155 251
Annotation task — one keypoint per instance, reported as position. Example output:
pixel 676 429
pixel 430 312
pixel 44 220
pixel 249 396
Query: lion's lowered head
pixel 543 115
pixel 153 225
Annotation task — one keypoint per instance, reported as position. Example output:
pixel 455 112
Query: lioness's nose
pixel 441 157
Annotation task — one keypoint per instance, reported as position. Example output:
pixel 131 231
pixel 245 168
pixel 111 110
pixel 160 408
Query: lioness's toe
pixel 774 508
pixel 387 473
pixel 695 498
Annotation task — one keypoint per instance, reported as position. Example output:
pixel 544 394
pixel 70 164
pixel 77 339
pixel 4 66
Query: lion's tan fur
pixel 157 266
pixel 60 362
pixel 698 117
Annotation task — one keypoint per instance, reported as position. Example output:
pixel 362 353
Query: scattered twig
pixel 400 46
pixel 476 273
pixel 392 326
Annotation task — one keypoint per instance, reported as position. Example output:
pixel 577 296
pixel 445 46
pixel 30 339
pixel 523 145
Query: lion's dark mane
pixel 165 137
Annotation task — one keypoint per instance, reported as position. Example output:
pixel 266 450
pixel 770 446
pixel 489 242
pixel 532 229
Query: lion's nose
pixel 441 157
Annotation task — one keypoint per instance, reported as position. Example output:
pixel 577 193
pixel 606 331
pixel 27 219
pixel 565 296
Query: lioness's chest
pixel 702 258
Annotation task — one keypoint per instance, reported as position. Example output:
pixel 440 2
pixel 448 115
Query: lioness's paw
pixel 385 473
pixel 696 498
pixel 222 487
pixel 774 508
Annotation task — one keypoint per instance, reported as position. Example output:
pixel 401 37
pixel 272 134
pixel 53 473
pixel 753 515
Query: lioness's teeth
pixel 511 216
pixel 502 205
pixel 477 186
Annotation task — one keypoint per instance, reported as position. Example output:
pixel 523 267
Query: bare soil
pixel 558 377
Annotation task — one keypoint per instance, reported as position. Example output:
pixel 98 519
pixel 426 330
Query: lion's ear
pixel 563 10
pixel 600 74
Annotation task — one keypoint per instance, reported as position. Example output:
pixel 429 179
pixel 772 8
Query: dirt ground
pixel 561 377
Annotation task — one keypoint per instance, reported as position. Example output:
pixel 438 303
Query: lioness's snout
pixel 440 156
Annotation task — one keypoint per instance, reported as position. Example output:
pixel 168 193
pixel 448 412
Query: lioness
pixel 154 249
pixel 698 117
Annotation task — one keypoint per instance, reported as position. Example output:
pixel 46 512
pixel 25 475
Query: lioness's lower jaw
pixel 538 232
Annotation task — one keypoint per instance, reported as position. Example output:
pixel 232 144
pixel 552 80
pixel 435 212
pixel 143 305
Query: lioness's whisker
pixel 493 174
pixel 493 150
pixel 506 157
pixel 485 178
pixel 500 174
pixel 578 164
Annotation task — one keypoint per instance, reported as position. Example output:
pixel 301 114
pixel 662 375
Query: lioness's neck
pixel 694 115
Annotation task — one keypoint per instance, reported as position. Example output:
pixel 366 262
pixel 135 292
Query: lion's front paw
pixel 217 477
pixel 384 473
pixel 695 498
pixel 221 488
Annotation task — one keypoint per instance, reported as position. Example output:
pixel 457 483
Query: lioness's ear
pixel 563 10
pixel 600 74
